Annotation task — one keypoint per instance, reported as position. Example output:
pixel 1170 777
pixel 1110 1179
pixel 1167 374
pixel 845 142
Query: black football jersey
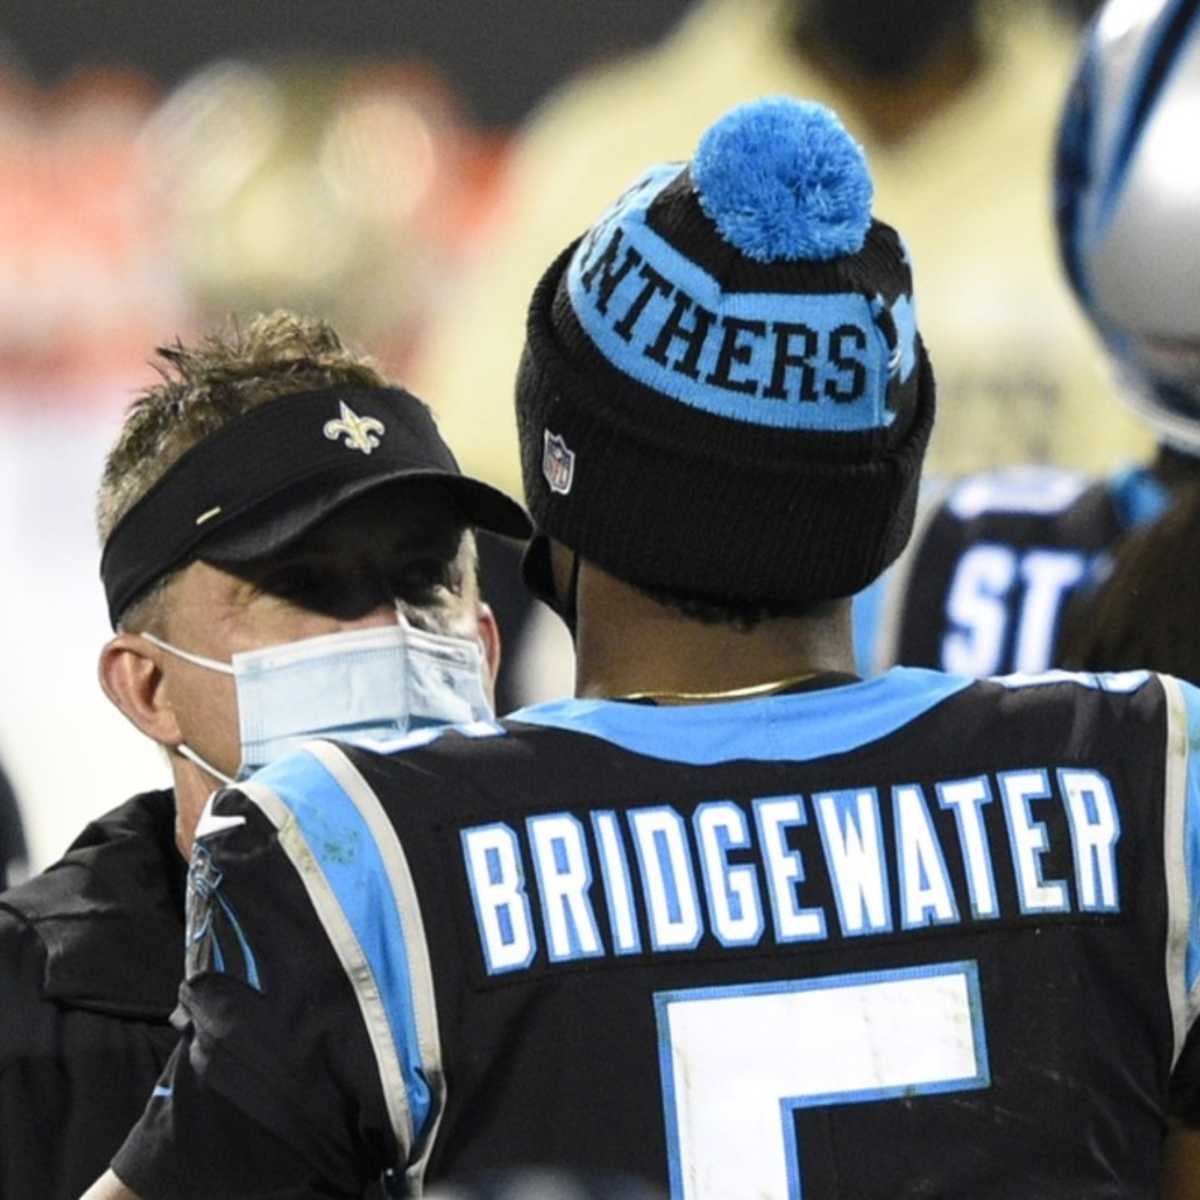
pixel 994 559
pixel 918 936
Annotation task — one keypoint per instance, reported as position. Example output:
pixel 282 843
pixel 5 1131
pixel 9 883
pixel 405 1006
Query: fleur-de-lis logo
pixel 360 433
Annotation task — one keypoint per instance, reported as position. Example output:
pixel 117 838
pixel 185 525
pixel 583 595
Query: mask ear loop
pixel 187 752
pixel 212 664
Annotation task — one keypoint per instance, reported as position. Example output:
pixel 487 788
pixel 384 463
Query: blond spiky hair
pixel 226 374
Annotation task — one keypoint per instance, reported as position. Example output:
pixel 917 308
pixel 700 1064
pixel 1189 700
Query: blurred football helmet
pixel 1127 184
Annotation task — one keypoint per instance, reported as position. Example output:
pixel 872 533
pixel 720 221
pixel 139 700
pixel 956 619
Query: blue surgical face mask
pixel 360 686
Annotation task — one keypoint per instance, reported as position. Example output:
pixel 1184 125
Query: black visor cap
pixel 261 481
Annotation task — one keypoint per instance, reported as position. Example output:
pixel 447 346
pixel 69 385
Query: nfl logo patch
pixel 558 463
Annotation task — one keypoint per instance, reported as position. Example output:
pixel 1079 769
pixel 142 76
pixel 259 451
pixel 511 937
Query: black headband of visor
pixel 256 484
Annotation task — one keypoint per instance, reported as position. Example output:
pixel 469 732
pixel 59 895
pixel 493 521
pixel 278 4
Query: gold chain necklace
pixel 742 693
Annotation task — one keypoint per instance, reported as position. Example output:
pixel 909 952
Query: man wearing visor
pixel 288 553
pixel 731 920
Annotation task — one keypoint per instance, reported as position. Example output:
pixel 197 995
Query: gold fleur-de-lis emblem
pixel 360 433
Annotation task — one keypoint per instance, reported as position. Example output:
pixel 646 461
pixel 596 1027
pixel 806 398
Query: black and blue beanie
pixel 723 393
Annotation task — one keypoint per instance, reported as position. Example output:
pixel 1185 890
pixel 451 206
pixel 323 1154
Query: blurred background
pixel 407 170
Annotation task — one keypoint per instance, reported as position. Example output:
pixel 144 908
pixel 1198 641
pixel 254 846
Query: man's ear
pixel 489 635
pixel 133 680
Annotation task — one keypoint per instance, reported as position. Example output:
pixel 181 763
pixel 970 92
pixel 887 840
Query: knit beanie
pixel 723 394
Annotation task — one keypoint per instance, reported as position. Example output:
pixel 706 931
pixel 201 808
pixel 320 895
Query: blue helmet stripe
pixel 1075 164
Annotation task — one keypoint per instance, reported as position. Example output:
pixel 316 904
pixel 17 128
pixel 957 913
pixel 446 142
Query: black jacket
pixel 12 836
pixel 91 957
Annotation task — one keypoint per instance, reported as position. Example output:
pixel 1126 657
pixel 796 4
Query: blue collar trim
pixel 790 728
pixel 1138 496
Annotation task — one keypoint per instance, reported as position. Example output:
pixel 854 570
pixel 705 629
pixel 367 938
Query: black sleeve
pixel 275 1063
pixel 193 1143
pixel 1184 1096
pixel 72 1082
pixel 12 835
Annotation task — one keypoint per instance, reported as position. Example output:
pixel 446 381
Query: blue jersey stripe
pixel 351 862
pixel 247 954
pixel 787 728
pixel 1191 832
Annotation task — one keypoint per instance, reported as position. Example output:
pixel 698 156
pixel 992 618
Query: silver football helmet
pixel 1127 180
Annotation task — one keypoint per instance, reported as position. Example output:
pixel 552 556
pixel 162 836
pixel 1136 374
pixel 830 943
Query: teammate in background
pixel 13 854
pixel 733 919
pixel 985 580
pixel 1145 608
pixel 287 552
pixel 954 102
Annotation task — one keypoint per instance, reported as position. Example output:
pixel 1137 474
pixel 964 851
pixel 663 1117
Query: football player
pixel 732 920
pixel 996 557
pixel 288 548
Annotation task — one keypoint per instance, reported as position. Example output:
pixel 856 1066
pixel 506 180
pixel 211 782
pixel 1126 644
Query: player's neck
pixel 628 644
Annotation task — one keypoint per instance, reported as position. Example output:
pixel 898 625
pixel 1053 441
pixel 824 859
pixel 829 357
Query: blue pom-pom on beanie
pixel 783 180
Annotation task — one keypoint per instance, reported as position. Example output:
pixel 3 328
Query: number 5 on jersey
pixel 738 1061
